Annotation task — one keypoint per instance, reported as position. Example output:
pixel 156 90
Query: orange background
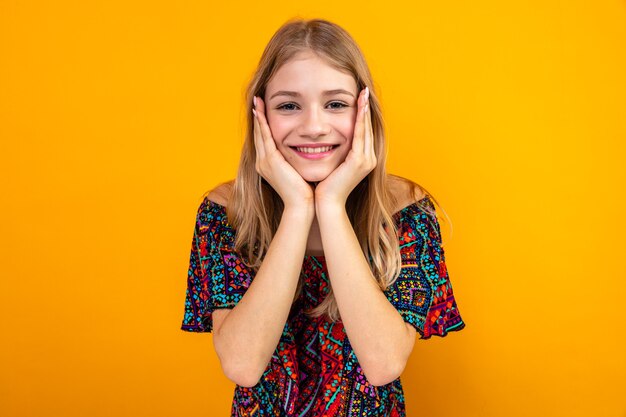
pixel 115 117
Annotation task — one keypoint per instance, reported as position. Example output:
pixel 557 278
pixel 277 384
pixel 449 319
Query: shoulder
pixel 221 193
pixel 419 221
pixel 404 191
pixel 212 221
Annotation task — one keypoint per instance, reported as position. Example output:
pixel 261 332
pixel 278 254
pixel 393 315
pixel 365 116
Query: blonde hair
pixel 254 208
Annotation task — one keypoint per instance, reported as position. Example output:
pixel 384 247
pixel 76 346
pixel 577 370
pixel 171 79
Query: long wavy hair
pixel 254 208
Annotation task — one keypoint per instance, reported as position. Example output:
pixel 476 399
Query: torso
pixel 400 188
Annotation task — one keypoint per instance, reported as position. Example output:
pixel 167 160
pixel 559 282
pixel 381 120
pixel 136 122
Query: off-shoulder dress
pixel 314 372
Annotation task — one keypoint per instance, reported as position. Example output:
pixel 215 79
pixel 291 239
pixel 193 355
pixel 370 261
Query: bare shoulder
pixel 221 193
pixel 404 190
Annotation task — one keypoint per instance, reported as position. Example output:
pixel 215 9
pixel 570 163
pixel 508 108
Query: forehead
pixel 308 72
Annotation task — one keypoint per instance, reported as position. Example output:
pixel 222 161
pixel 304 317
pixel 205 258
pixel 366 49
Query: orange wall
pixel 116 116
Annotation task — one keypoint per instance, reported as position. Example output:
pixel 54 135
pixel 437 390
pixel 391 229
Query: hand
pixel 359 162
pixel 271 165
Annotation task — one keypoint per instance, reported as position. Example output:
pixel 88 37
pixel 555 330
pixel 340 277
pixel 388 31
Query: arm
pixel 250 332
pixel 381 339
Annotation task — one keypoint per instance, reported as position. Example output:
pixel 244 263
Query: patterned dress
pixel 314 372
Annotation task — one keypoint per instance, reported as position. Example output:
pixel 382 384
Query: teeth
pixel 315 150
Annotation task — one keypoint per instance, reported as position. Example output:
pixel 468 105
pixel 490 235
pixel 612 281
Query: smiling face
pixel 311 104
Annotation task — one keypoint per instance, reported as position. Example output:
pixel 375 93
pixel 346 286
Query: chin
pixel 315 176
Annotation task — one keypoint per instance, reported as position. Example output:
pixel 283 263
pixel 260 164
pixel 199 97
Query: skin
pixel 313 117
pixel 381 339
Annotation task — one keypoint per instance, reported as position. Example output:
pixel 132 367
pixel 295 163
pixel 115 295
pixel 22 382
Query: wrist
pixel 331 208
pixel 300 211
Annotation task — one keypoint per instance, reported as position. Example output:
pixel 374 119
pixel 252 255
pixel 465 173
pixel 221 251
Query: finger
pixel 369 134
pixel 268 139
pixel 258 137
pixel 359 126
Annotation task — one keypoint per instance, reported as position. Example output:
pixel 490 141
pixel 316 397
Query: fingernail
pixel 254 101
pixel 367 93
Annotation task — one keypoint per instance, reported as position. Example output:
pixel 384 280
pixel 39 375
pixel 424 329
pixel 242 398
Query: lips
pixel 314 155
pixel 314 145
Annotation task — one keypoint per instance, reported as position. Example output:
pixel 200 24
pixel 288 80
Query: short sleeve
pixel 422 293
pixel 216 277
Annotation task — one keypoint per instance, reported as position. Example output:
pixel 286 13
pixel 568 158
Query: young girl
pixel 314 268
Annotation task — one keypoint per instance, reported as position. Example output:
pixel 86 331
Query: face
pixel 311 104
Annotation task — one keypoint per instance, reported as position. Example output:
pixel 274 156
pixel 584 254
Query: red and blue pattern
pixel 314 371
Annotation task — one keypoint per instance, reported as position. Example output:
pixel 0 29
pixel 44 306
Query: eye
pixel 341 105
pixel 335 105
pixel 284 106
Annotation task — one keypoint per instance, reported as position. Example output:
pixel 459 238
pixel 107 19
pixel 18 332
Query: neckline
pixel 405 208
pixel 394 214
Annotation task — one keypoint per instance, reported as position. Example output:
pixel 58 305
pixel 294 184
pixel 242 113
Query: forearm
pixel 378 334
pixel 251 331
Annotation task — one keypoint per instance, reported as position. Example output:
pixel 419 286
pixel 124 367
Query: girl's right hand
pixel 271 165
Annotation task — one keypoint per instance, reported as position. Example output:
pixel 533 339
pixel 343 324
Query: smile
pixel 314 153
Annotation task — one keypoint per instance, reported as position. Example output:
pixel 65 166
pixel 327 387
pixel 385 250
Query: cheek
pixel 346 127
pixel 278 127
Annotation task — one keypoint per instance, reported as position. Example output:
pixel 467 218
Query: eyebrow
pixel 326 93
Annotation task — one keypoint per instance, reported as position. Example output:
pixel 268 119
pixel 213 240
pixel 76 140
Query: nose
pixel 313 123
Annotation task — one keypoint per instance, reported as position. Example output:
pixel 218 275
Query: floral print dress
pixel 314 372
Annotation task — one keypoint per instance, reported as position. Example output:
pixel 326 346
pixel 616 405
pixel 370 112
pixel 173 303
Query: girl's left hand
pixel 359 162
